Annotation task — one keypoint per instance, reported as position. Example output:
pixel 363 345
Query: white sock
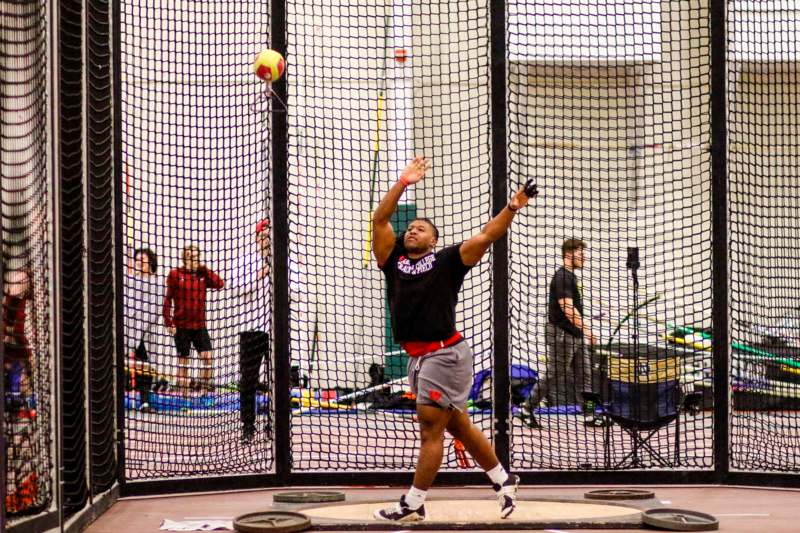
pixel 415 497
pixel 498 475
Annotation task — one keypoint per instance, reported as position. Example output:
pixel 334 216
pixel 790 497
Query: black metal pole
pixel 102 298
pixel 70 252
pixel 119 267
pixel 719 225
pixel 54 83
pixel 502 379
pixel 280 270
pixel 633 264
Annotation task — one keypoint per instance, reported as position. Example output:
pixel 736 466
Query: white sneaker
pixel 401 512
pixel 507 495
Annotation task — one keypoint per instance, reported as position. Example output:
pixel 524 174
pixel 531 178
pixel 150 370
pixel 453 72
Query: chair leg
pixel 622 461
pixel 645 444
pixel 607 444
pixel 678 440
pixel 632 455
pixel 641 444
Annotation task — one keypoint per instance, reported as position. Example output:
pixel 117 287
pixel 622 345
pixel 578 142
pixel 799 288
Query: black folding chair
pixel 641 393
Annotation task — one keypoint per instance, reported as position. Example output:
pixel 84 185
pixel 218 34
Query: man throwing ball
pixel 423 288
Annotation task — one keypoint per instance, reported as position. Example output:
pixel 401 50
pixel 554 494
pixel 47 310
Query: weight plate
pixel 314 496
pixel 271 522
pixel 619 494
pixel 679 520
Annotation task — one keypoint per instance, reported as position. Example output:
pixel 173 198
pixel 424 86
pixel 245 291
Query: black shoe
pixel 588 408
pixel 597 422
pixel 507 495
pixel 529 419
pixel 401 512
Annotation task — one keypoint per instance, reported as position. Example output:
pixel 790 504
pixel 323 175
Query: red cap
pixel 261 225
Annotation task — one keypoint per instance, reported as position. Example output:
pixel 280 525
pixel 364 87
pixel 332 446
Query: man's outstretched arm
pixel 473 249
pixel 383 237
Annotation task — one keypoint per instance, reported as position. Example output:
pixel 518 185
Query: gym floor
pixel 739 509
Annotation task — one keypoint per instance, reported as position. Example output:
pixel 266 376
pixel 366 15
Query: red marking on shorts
pixel 435 395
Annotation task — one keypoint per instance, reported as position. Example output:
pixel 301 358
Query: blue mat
pixel 226 401
pixel 229 401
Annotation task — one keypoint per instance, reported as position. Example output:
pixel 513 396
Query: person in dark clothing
pixel 186 292
pixel 568 369
pixel 251 286
pixel 144 292
pixel 423 288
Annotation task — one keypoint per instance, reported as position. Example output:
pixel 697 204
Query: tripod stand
pixel 633 264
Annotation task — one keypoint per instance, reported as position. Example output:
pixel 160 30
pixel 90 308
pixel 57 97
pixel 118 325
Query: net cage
pixel 684 216
pixel 27 355
pixel 195 163
pixel 764 47
pixel 609 109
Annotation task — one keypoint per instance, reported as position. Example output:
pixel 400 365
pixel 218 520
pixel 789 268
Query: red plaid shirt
pixel 187 290
pixel 16 344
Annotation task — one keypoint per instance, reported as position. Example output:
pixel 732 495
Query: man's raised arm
pixel 473 249
pixel 383 237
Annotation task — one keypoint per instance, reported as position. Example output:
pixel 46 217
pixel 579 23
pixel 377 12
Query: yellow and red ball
pixel 269 65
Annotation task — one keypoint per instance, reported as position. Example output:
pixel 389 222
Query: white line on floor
pixel 741 514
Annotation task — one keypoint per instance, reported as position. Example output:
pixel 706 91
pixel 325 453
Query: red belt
pixel 418 349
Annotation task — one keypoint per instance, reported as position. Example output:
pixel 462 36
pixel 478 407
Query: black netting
pixel 609 111
pixel 101 255
pixel 764 99
pixel 370 85
pixel 195 168
pixel 25 189
pixel 71 257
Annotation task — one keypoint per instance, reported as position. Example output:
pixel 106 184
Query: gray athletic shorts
pixel 443 377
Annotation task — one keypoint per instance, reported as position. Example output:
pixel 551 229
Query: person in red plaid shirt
pixel 186 292
pixel 17 363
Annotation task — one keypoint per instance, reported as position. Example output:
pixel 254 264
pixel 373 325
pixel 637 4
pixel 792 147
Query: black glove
pixel 530 189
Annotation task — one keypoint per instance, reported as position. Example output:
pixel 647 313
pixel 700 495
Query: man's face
pixel 419 237
pixel 262 240
pixel 191 260
pixel 142 263
pixel 578 257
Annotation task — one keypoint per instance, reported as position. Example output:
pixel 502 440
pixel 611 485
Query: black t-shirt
pixel 564 285
pixel 423 293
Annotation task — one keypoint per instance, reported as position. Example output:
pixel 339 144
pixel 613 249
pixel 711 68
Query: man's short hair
pixel 571 245
pixel 189 248
pixel 430 223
